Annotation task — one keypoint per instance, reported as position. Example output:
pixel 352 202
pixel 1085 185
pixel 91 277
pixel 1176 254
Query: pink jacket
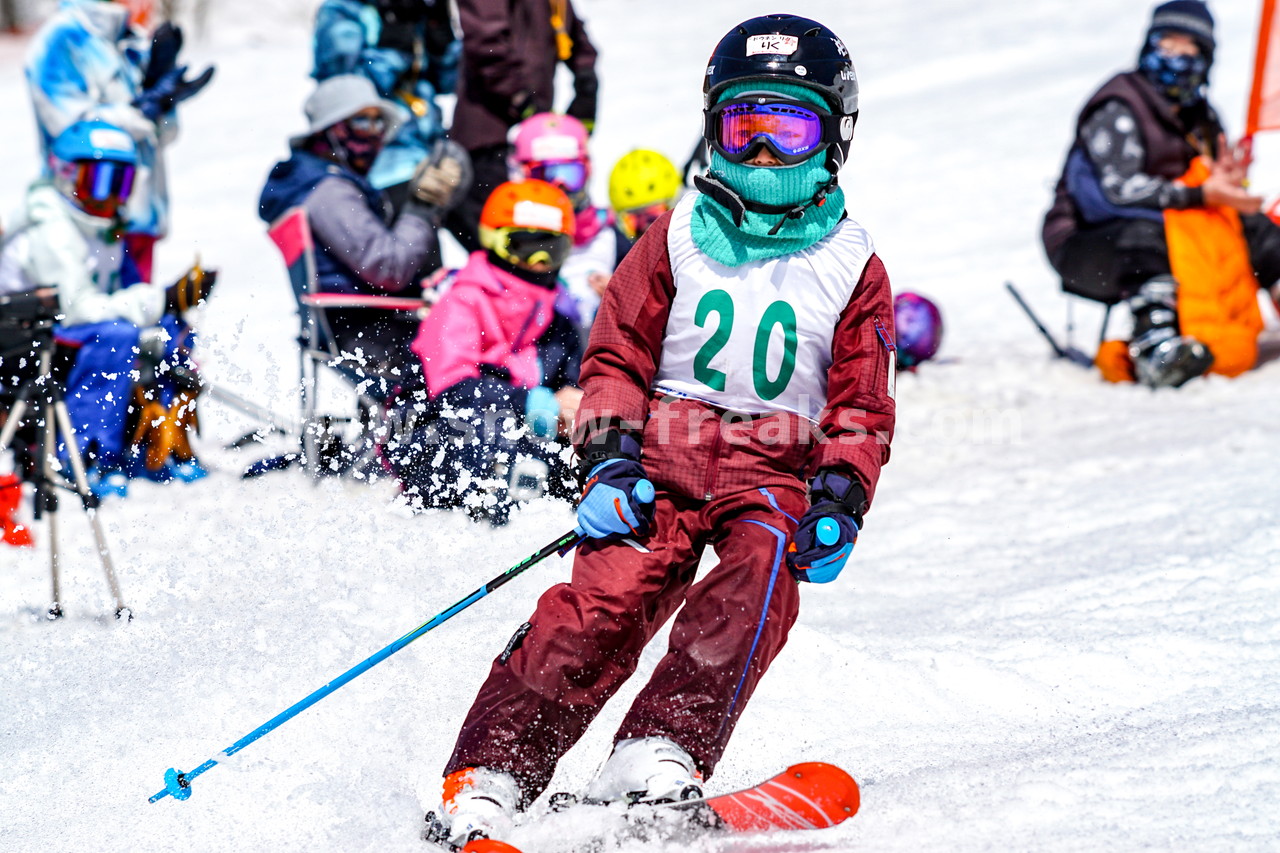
pixel 488 316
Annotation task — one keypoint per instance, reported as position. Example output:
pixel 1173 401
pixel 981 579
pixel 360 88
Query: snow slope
pixel 1060 628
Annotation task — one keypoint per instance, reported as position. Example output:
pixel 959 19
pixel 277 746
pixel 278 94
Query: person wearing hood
pixel 68 238
pixel 359 248
pixel 738 395
pixel 1129 185
pixel 87 63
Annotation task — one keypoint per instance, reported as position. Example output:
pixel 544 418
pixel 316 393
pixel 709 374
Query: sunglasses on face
pixel 368 125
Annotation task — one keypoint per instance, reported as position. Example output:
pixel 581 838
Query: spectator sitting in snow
pixel 495 353
pixel 87 63
pixel 407 48
pixel 1151 208
pixel 553 148
pixel 69 237
pixel 359 250
pixel 510 52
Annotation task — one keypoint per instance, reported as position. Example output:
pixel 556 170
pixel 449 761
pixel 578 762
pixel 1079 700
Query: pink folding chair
pixel 330 444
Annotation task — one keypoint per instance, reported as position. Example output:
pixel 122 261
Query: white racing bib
pixel 757 338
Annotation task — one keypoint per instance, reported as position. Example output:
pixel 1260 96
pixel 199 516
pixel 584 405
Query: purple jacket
pixel 509 58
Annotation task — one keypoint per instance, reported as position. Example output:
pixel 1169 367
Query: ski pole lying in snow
pixel 178 784
pixel 1071 354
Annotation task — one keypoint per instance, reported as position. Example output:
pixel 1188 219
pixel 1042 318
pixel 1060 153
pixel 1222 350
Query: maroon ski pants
pixel 585 638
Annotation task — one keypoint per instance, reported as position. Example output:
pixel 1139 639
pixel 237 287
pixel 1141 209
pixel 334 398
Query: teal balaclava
pixel 762 235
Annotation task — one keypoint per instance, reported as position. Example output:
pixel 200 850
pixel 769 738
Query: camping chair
pixel 330 444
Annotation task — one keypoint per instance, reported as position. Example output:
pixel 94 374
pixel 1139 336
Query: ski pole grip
pixel 643 491
pixel 828 532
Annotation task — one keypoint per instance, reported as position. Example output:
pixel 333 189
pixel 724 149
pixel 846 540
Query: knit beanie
pixel 1191 17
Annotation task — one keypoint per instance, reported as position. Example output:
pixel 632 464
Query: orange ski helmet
pixel 529 224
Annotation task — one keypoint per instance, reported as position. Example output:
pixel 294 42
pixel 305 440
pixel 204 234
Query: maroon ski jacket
pixel 509 58
pixel 702 452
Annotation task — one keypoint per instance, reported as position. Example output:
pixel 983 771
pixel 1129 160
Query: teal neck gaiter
pixel 714 231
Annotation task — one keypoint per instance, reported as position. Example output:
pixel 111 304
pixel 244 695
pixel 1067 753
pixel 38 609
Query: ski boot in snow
pixel 476 803
pixel 1162 358
pixel 646 770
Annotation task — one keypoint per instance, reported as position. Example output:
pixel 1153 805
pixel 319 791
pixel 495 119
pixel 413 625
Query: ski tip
pixel 488 845
pixel 835 789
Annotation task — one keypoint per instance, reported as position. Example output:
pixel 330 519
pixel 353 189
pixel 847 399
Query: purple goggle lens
pixel 99 180
pixel 791 129
pixel 570 176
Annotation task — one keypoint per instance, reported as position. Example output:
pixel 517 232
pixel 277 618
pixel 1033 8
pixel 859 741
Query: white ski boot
pixel 646 770
pixel 477 803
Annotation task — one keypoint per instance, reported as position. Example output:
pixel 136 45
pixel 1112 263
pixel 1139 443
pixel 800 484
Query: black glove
pixel 441 180
pixel 170 90
pixel 828 531
pixel 190 290
pixel 165 45
pixel 586 88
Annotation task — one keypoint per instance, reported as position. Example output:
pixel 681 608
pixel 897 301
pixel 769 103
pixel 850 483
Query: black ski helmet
pixel 788 49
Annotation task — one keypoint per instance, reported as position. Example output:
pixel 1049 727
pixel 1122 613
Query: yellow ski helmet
pixel 641 179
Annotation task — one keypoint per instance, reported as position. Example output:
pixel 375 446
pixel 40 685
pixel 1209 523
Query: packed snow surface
pixel 1060 629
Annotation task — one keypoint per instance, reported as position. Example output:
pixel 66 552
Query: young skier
pixel 68 236
pixel 493 348
pixel 553 148
pixel 739 395
pixel 643 185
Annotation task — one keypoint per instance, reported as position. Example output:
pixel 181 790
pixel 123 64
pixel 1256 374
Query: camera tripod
pixel 41 398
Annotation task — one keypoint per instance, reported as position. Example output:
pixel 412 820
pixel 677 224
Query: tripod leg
pixel 48 501
pixel 15 420
pixel 90 504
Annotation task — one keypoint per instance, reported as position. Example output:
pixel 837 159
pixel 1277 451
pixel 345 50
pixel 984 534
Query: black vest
pixel 1169 150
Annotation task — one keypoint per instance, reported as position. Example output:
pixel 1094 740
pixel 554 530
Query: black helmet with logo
pixel 788 49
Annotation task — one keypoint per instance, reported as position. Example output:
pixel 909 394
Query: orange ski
pixel 804 796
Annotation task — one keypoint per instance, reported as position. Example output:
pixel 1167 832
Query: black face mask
pixel 355 149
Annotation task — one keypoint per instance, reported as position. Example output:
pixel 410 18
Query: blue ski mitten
pixel 542 412
pixel 828 530
pixel 617 496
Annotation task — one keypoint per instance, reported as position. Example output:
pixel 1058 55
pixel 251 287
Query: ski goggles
pixel 101 180
pixel 636 222
pixel 530 247
pixel 792 131
pixel 568 175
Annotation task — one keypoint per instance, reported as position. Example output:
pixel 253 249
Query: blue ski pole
pixel 178 784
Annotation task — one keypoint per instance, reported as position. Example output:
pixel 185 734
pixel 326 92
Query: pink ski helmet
pixel 550 137
pixel 918 324
pixel 553 148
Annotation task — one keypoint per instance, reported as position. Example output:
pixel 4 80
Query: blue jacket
pixel 289 184
pixel 351 37
pixel 85 63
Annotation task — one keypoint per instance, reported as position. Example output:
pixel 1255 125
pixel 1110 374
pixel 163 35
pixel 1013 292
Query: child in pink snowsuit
pixel 739 396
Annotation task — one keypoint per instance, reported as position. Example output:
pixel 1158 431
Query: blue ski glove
pixel 617 496
pixel 828 530
pixel 542 412
pixel 617 501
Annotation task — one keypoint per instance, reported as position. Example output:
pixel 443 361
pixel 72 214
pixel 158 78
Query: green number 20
pixel 779 313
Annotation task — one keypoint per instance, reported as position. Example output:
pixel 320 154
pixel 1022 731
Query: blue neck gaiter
pixel 714 231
